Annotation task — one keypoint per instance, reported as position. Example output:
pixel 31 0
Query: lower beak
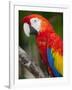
pixel 33 31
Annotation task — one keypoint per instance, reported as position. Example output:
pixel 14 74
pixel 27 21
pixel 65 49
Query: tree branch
pixel 29 64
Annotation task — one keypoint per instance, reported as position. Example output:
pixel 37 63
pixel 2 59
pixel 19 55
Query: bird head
pixel 33 24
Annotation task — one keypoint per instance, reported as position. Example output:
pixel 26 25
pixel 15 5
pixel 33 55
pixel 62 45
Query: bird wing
pixel 55 61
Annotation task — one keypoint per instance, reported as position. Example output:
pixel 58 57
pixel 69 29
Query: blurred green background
pixel 28 43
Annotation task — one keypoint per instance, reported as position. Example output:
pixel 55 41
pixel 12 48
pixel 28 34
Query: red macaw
pixel 49 43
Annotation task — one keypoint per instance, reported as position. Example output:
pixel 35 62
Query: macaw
pixel 50 44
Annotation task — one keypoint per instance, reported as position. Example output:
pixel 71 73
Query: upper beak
pixel 33 31
pixel 29 30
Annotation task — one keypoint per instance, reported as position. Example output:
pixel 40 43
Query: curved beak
pixel 29 30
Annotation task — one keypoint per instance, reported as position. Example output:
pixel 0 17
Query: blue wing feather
pixel 51 63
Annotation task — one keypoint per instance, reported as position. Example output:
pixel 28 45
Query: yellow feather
pixel 58 61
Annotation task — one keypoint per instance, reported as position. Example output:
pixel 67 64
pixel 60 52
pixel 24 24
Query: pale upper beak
pixel 26 29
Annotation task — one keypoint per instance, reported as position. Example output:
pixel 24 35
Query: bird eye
pixel 35 20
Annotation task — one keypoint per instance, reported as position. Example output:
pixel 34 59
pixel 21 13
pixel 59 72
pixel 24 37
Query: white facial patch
pixel 26 29
pixel 35 23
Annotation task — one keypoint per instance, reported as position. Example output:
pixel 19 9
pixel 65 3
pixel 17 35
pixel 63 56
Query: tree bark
pixel 26 61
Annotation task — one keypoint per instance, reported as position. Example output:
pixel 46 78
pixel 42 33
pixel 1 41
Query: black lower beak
pixel 33 31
